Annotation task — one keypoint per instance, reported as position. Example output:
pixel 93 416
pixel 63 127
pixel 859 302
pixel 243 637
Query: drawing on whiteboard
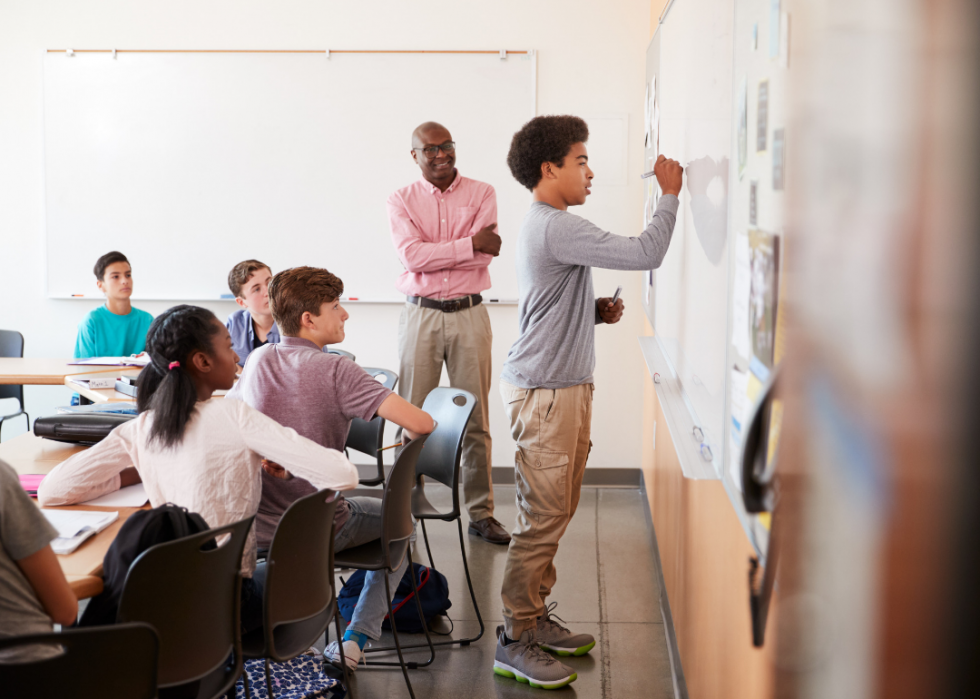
pixel 762 117
pixel 763 296
pixel 743 126
pixel 707 181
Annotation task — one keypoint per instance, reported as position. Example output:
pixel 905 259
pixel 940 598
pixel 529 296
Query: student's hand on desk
pixel 608 312
pixel 275 470
pixel 670 175
pixel 487 241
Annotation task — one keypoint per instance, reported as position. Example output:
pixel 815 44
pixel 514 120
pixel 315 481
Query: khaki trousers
pixel 552 429
pixel 427 337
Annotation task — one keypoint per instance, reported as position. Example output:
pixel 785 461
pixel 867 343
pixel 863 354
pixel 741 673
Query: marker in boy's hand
pixel 670 175
pixel 487 241
pixel 610 312
pixel 275 470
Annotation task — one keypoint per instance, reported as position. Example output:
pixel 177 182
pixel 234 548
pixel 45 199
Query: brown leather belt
pixel 451 306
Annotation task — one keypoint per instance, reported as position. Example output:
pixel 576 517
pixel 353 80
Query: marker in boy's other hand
pixel 670 175
pixel 487 241
pixel 610 312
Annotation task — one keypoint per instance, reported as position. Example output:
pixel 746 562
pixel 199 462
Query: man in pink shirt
pixel 443 229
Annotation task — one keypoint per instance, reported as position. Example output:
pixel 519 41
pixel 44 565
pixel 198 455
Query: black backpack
pixel 143 529
pixel 433 593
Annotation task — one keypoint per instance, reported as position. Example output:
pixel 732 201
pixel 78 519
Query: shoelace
pixel 549 617
pixel 533 650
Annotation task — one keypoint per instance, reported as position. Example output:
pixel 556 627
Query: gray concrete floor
pixel 607 586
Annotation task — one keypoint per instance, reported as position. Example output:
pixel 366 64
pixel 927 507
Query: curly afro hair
pixel 544 139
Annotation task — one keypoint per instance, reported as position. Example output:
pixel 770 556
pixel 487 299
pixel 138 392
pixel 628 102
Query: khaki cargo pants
pixel 552 429
pixel 427 337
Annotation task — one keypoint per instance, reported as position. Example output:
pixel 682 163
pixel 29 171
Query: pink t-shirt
pixel 317 394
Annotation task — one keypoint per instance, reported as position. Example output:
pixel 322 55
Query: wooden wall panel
pixel 704 554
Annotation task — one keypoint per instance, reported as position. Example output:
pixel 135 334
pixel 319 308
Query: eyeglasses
pixel 449 147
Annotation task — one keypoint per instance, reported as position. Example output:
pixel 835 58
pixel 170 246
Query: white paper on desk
pixel 111 361
pixel 130 496
pixel 741 295
pixel 75 526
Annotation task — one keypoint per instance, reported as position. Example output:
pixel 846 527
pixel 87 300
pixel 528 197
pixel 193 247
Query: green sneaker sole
pixel 507 673
pixel 565 653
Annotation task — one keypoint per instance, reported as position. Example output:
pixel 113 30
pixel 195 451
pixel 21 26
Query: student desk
pixel 41 372
pixel 102 395
pixel 83 567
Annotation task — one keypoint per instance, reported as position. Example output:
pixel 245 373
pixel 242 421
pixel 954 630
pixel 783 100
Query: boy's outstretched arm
pixel 414 421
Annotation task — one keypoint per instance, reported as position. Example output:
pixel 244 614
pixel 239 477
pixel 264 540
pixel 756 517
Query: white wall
pixel 591 62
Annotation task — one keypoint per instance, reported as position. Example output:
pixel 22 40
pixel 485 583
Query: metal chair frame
pixel 367 436
pixel 12 345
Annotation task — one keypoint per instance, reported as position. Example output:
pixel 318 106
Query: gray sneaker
pixel 524 661
pixel 555 638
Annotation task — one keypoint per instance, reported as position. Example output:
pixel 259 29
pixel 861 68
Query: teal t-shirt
pixel 104 334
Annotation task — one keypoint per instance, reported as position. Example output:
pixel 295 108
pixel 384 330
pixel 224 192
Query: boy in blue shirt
pixel 115 329
pixel 252 326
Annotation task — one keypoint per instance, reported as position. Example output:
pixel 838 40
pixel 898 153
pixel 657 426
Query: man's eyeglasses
pixel 449 147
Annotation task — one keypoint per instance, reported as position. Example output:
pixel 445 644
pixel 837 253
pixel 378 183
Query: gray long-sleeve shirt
pixel 557 312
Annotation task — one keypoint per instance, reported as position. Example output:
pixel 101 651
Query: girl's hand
pixel 275 470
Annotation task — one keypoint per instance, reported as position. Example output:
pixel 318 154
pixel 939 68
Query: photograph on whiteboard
pixel 762 117
pixel 778 159
pixel 743 126
pixel 707 182
pixel 753 203
pixel 741 297
pixel 764 248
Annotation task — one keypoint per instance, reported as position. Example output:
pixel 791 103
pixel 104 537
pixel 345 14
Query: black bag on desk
pixel 142 530
pixel 78 429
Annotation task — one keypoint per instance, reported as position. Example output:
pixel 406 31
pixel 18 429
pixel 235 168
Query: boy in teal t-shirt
pixel 115 329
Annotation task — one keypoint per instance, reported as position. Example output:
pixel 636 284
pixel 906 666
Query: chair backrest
pixel 191 596
pixel 396 503
pixel 12 345
pixel 342 353
pixel 367 436
pixel 105 661
pixel 451 408
pixel 299 566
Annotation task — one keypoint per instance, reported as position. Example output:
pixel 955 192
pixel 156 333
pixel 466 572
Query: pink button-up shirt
pixel 432 230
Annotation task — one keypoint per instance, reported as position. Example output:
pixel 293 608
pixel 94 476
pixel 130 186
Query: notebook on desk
pixel 75 526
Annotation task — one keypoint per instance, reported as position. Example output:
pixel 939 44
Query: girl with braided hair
pixel 193 450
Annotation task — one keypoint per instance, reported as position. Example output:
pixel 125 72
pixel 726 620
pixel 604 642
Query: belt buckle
pixel 451 306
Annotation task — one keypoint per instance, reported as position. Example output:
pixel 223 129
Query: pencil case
pixel 78 429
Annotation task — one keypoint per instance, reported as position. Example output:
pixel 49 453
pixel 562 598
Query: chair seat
pixel 423 509
pixel 370 556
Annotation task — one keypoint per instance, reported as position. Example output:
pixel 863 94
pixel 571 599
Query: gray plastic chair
pixel 105 661
pixel 451 409
pixel 190 593
pixel 12 345
pixel 342 353
pixel 387 553
pixel 299 599
pixel 367 436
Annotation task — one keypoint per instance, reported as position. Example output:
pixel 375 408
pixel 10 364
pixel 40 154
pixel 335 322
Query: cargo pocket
pixel 541 477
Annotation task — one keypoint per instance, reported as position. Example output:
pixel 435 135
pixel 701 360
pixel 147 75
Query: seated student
pixel 115 329
pixel 253 325
pixel 191 450
pixel 33 590
pixel 318 395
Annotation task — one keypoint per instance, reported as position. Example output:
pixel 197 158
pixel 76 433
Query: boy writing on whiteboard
pixel 115 329
pixel 252 325
pixel 546 381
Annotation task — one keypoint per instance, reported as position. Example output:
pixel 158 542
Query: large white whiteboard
pixel 689 305
pixel 192 162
